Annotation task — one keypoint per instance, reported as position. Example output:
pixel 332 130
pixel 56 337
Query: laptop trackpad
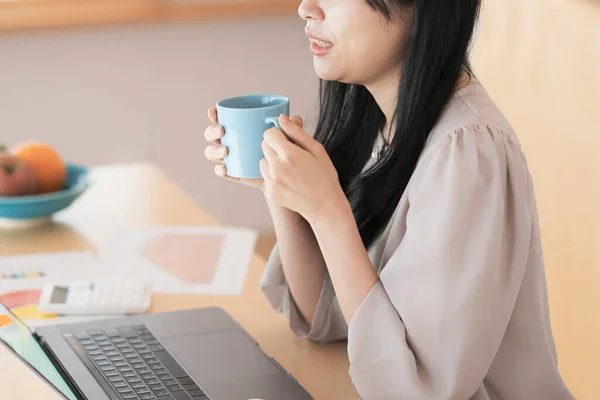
pixel 220 356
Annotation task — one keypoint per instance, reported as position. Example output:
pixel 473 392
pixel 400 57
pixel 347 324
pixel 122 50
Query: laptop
pixel 199 354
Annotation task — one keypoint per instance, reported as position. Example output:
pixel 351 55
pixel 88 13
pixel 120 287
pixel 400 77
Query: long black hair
pixel 435 53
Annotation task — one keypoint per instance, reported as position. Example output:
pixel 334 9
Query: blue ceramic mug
pixel 245 120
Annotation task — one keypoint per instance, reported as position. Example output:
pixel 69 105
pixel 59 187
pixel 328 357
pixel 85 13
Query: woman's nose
pixel 310 10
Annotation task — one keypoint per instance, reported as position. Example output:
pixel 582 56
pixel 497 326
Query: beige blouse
pixel 461 308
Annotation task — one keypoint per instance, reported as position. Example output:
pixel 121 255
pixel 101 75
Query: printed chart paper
pixel 191 260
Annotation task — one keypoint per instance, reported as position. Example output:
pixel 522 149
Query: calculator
pixel 95 298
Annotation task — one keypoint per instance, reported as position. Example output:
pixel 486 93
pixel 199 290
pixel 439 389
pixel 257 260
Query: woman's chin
pixel 325 72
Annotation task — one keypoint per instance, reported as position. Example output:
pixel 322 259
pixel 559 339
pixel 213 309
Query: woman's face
pixel 351 42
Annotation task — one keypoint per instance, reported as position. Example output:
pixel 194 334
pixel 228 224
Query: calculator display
pixel 59 295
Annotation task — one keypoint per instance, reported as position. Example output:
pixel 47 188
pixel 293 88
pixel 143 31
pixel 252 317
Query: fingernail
pixel 221 151
pixel 284 118
pixel 220 131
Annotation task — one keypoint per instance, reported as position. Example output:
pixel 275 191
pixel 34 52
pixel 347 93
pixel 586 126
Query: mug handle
pixel 274 121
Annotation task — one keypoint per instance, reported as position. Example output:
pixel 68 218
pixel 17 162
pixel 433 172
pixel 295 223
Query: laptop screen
pixel 18 336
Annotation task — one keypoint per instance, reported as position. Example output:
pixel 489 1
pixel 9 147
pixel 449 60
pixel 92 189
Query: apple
pixel 16 176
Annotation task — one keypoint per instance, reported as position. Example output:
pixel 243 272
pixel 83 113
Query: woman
pixel 408 224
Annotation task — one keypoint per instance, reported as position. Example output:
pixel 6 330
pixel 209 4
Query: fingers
pixel 221 172
pixel 298 135
pixel 269 159
pixel 265 169
pixel 269 153
pixel 214 133
pixel 277 141
pixel 212 115
pixel 296 119
pixel 215 153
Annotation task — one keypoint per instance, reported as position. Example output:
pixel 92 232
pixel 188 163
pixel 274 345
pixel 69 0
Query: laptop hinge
pixel 60 368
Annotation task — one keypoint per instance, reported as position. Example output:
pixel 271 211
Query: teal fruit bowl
pixel 38 208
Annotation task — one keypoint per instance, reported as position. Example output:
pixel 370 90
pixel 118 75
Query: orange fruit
pixel 48 167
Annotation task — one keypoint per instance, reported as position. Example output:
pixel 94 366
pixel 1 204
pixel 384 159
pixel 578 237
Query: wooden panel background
pixel 20 15
pixel 540 60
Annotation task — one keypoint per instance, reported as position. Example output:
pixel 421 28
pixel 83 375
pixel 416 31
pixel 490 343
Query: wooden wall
pixel 540 60
pixel 27 15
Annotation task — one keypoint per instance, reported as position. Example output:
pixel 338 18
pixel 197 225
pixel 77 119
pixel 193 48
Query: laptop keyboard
pixel 134 364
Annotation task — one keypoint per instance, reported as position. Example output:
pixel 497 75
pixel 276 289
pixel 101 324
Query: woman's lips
pixel 318 46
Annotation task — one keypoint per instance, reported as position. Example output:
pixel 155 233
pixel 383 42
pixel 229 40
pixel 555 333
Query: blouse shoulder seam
pixel 462 100
pixel 496 128
pixel 485 121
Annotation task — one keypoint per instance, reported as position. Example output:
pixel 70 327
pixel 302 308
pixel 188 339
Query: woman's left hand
pixel 298 172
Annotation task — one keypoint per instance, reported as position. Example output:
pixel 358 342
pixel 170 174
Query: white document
pixel 31 271
pixel 192 260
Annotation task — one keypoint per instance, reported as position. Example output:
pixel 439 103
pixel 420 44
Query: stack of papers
pixel 186 260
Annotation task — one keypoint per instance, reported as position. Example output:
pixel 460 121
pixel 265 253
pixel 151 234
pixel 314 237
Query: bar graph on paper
pixel 31 271
pixel 27 273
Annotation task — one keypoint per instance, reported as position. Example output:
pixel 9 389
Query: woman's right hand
pixel 216 152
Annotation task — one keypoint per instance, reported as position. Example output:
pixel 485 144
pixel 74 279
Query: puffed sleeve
pixel 431 326
pixel 328 324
